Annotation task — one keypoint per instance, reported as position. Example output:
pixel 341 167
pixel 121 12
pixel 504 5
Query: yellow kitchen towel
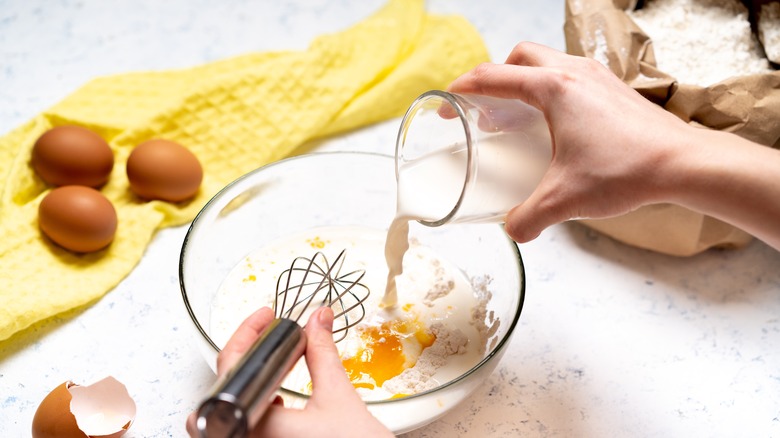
pixel 235 115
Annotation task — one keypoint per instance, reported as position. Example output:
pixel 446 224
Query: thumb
pixel 545 207
pixel 328 378
pixel 242 339
pixel 520 225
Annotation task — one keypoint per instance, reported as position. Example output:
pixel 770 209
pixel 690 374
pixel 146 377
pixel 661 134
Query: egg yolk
pixel 381 355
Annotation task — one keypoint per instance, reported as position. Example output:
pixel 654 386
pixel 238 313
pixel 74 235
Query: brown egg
pixel 162 169
pixel 77 218
pixel 72 155
pixel 103 409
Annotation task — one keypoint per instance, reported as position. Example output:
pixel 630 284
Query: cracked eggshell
pixel 101 410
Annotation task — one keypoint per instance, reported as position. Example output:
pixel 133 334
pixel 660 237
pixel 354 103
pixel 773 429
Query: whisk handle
pixel 239 400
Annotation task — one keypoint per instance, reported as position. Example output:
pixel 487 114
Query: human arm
pixel 614 151
pixel 732 179
pixel 334 408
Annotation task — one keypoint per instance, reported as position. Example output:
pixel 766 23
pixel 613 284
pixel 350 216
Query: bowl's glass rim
pixel 193 225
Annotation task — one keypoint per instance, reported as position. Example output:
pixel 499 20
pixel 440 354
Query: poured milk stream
pixel 429 187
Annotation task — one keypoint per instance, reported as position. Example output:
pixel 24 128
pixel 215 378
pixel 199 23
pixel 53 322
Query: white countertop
pixel 613 340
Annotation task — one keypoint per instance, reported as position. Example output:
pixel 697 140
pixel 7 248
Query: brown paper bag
pixel 748 106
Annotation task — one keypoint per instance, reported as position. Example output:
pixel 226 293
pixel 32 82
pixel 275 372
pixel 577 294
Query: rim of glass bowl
pixel 182 255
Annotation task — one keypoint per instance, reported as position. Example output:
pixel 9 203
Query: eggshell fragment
pixel 103 409
pixel 78 218
pixel 72 155
pixel 164 170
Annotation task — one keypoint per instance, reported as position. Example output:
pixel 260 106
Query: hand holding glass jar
pixel 612 151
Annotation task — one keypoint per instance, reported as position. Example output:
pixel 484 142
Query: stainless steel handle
pixel 242 396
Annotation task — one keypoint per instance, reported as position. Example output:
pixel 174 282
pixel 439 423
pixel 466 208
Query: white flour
pixel 701 42
pixel 460 329
pixel 448 342
pixel 769 29
pixel 441 287
pixel 460 337
pixel 483 320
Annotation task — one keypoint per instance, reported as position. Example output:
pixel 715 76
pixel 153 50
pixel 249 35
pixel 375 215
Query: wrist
pixel 726 177
pixel 678 171
pixel 707 165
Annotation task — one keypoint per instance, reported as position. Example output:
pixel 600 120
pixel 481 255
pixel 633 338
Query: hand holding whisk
pixel 239 399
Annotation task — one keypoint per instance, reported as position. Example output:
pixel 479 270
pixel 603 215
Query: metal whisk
pixel 240 398
pixel 344 293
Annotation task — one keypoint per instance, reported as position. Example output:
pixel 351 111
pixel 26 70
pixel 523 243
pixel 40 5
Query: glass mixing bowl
pixel 344 189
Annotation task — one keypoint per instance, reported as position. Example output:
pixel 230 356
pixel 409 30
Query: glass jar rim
pixel 459 105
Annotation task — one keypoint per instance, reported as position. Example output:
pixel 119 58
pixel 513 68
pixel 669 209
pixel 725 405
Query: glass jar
pixel 468 158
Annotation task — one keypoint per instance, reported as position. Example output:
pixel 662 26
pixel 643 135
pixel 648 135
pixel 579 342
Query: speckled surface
pixel 613 341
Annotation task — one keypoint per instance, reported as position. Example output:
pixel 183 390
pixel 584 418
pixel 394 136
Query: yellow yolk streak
pixel 382 354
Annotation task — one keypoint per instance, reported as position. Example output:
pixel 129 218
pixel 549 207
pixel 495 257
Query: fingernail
pixel 325 318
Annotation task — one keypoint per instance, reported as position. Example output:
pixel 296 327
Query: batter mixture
pixel 434 333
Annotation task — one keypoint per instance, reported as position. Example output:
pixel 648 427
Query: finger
pixel 191 426
pixel 243 338
pixel 545 207
pixel 447 111
pixel 535 55
pixel 532 85
pixel 328 382
pixel 498 79
pixel 328 378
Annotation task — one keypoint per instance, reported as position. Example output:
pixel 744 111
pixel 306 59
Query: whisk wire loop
pixel 316 280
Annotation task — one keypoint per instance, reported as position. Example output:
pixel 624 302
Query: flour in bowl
pixel 435 333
